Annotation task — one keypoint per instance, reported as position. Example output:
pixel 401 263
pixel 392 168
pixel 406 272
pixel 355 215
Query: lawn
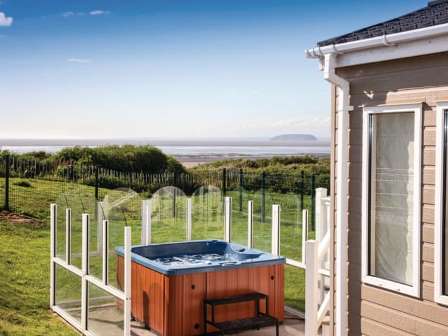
pixel 24 286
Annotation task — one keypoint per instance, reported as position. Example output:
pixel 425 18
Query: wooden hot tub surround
pixel 172 305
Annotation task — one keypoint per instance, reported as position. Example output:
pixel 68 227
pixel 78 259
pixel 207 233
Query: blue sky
pixel 170 68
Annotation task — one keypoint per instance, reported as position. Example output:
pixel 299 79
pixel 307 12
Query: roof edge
pixel 379 41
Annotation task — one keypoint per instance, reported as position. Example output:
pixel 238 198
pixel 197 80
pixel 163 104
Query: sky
pixel 171 68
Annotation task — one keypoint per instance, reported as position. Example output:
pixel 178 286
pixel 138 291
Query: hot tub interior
pixel 198 256
pixel 198 252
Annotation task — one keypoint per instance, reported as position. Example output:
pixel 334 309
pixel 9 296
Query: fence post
pixel 105 254
pixel 7 173
pixel 227 219
pixel 302 189
pixel 250 224
pixel 275 245
pixel 97 183
pixel 72 173
pixel 311 288
pixel 313 202
pixel 241 189
pixel 127 280
pixel 175 194
pixel 263 197
pixel 68 235
pixel 100 216
pixel 84 269
pixel 53 226
pixel 304 233
pixel 320 213
pixel 189 219
pixel 224 181
pixel 146 222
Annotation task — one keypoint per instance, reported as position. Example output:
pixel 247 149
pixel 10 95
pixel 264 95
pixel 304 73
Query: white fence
pixel 77 311
pixel 318 289
pixel 314 258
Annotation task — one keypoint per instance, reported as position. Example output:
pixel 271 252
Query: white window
pixel 391 197
pixel 441 208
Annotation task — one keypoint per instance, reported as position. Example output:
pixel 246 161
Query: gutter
pixel 379 41
pixel 342 109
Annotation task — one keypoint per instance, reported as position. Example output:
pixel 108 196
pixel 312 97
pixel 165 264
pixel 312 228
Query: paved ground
pixel 108 320
pixel 291 327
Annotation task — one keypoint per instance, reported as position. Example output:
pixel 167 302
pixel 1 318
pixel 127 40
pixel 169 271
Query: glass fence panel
pixel 295 287
pixel 168 215
pixel 207 213
pixel 105 314
pixel 68 292
pixel 291 226
pixel 121 208
pixel 79 203
pixel 240 198
pixel 262 222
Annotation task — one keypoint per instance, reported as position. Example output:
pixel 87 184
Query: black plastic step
pixel 246 324
pixel 236 299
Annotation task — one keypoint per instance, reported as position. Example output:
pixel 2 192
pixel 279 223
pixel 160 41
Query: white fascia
pixel 416 42
pixel 342 109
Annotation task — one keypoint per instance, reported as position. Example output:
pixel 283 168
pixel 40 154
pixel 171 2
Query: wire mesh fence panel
pixel 168 215
pixel 207 213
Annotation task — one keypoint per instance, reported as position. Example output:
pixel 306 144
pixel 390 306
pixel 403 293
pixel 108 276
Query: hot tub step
pixel 260 320
pixel 230 327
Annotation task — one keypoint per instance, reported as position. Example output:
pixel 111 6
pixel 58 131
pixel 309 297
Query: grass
pixel 24 285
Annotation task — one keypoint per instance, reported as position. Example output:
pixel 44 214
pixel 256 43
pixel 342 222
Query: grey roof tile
pixel 435 13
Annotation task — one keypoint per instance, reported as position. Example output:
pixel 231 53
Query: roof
pixel 435 13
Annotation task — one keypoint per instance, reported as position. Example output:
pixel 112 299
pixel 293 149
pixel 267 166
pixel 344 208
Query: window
pixel 391 197
pixel 441 208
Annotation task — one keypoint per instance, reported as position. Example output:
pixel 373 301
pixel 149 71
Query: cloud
pixel 68 14
pixel 5 21
pixel 98 12
pixel 79 60
pixel 71 13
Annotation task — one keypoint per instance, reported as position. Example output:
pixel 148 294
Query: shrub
pixel 126 158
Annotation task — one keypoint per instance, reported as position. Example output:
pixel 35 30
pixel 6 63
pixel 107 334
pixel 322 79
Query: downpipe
pixel 342 108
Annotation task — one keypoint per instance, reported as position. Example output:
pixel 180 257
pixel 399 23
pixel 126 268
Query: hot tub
pixel 170 282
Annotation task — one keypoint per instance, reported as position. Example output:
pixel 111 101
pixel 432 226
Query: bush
pixel 126 158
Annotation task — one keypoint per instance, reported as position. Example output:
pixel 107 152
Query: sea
pixel 195 151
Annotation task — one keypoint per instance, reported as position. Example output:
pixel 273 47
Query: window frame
pixel 440 199
pixel 414 289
